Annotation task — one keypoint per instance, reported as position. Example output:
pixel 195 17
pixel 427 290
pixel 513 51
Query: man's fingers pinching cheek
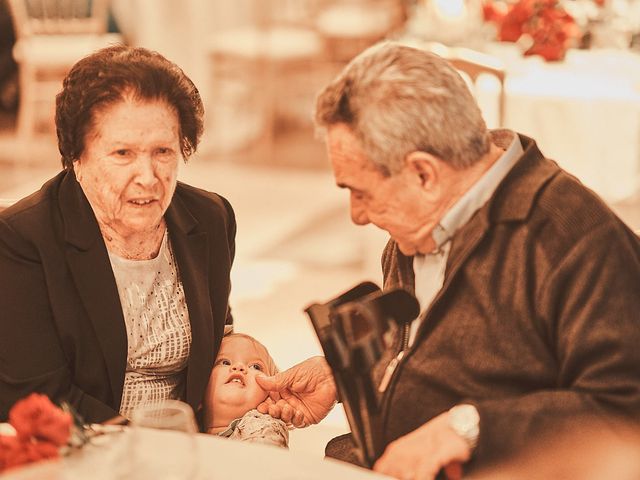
pixel 275 396
pixel 298 420
pixel 274 410
pixel 287 413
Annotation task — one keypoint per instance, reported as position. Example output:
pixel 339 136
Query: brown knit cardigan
pixel 538 319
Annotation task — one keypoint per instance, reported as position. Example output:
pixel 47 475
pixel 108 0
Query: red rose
pixel 36 418
pixel 545 21
pixel 514 22
pixel 547 4
pixel 549 51
pixel 548 24
pixel 9 448
pixel 15 452
pixel 493 12
pixel 523 10
pixel 510 30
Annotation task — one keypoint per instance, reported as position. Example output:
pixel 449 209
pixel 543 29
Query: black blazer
pixel 62 330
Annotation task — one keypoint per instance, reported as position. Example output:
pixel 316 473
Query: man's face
pixel 233 389
pixel 397 203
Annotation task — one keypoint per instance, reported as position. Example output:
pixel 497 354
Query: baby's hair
pixel 272 368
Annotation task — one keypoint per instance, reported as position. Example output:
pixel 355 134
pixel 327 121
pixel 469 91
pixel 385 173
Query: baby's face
pixel 232 386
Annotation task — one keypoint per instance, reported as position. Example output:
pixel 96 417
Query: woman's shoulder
pixel 31 220
pixel 200 197
pixel 204 201
pixel 33 210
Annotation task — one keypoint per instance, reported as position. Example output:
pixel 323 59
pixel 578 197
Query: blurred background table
pixel 584 112
pixel 145 453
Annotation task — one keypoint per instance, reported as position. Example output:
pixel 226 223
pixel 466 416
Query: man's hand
pixel 421 454
pixel 302 395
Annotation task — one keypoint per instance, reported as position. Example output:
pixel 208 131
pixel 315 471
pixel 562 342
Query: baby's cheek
pixel 262 393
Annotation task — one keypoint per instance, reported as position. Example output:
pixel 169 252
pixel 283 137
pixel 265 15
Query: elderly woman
pixel 114 276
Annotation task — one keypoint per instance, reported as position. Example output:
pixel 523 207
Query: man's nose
pixel 358 213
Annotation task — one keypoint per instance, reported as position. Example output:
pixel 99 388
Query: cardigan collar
pixel 523 182
pixel 530 173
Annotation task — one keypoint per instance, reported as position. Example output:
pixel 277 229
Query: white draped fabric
pixel 584 112
pixel 163 454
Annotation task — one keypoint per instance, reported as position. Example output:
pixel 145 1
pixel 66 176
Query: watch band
pixel 465 421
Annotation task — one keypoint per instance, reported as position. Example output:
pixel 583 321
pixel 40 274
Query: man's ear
pixel 425 166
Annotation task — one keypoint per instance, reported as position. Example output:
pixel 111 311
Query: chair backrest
pixel 57 17
pixel 474 70
pixel 475 64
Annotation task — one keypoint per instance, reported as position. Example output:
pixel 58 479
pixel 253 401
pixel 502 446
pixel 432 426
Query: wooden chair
pixel 474 67
pixel 261 75
pixel 51 35
pixel 350 27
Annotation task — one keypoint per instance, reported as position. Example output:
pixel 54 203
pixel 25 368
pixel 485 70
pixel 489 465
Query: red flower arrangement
pixel 42 429
pixel 549 26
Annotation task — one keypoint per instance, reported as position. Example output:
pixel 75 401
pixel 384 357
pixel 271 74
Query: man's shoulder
pixel 565 213
pixel 572 209
pixel 541 194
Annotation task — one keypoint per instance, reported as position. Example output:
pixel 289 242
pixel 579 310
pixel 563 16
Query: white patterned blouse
pixel 158 328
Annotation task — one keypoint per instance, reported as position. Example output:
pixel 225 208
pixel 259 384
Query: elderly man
pixel 529 286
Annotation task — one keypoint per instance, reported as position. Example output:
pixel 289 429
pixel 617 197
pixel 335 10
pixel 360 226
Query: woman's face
pixel 129 166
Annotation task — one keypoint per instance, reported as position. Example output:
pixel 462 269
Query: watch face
pixel 465 421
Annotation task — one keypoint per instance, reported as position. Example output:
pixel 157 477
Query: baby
pixel 233 393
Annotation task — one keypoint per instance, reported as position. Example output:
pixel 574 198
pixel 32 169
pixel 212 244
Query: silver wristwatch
pixel 465 421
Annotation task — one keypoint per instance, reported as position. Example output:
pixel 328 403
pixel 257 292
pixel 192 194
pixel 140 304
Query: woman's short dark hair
pixel 107 77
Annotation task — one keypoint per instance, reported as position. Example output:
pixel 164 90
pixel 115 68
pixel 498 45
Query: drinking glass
pixel 160 455
pixel 165 415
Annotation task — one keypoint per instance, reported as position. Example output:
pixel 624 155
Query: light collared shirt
pixel 429 269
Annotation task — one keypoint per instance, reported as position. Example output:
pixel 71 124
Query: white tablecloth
pixel 143 453
pixel 584 112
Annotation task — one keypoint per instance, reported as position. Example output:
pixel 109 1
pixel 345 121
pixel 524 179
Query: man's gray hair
pixel 397 100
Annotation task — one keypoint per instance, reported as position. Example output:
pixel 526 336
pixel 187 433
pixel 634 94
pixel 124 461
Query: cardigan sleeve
pixel 589 309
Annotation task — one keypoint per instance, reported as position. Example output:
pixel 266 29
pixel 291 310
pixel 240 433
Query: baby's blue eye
pixel 256 366
pixel 223 361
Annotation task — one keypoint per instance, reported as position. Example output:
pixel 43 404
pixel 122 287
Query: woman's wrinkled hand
pixel 302 395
